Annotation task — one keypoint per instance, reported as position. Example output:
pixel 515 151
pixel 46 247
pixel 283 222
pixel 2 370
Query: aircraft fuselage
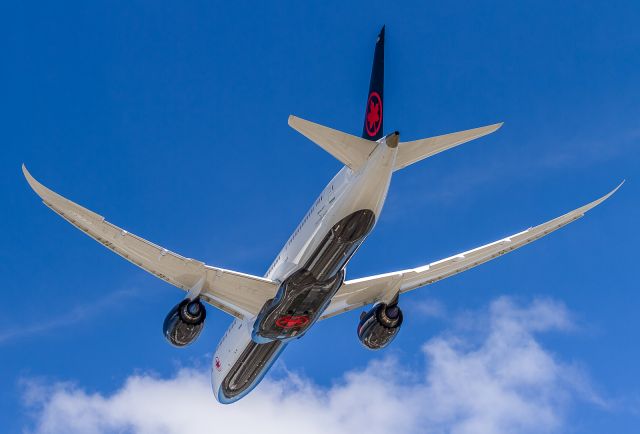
pixel 311 268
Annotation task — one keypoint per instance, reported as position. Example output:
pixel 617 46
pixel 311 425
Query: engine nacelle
pixel 379 326
pixel 184 322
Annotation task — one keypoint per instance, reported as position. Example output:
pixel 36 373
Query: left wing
pixel 241 295
pixel 383 287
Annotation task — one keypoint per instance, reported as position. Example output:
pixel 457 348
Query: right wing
pixel 241 295
pixel 383 287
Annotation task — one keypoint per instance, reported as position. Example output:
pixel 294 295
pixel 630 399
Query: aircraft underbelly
pixel 247 371
pixel 306 292
pixel 246 355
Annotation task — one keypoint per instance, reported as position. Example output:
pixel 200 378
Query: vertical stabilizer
pixel 372 129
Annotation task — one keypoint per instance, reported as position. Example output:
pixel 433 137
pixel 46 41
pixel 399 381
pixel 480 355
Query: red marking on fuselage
pixel 218 364
pixel 291 321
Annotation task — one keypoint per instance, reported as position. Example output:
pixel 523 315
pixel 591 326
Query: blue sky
pixel 169 118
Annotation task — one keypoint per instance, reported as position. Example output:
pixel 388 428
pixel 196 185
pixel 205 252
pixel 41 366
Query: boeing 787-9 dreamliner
pixel 306 282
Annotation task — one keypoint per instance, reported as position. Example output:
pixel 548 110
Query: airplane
pixel 306 282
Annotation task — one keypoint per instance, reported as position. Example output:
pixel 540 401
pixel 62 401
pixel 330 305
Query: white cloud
pixel 491 377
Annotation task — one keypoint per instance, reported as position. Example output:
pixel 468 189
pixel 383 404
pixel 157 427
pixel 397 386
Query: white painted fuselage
pixel 349 191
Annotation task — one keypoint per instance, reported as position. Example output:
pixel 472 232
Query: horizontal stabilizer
pixel 351 150
pixel 412 152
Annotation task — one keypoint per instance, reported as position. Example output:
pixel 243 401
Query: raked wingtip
pixel 603 198
pixel 491 128
pixel 38 188
pixel 30 179
pixel 615 189
pixel 488 129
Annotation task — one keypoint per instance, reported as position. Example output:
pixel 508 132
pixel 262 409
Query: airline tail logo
pixel 374 114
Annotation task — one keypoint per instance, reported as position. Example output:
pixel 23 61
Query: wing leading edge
pixel 383 287
pixel 238 294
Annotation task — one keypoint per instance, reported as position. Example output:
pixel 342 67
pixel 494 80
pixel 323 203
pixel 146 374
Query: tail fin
pixel 372 129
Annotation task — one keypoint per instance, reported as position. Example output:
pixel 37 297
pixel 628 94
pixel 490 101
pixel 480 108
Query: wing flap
pixel 360 292
pixel 238 294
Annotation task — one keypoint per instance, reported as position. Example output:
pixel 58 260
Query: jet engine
pixel 184 322
pixel 379 326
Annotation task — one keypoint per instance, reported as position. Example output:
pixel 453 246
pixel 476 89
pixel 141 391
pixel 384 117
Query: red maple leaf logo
pixel 291 321
pixel 374 114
